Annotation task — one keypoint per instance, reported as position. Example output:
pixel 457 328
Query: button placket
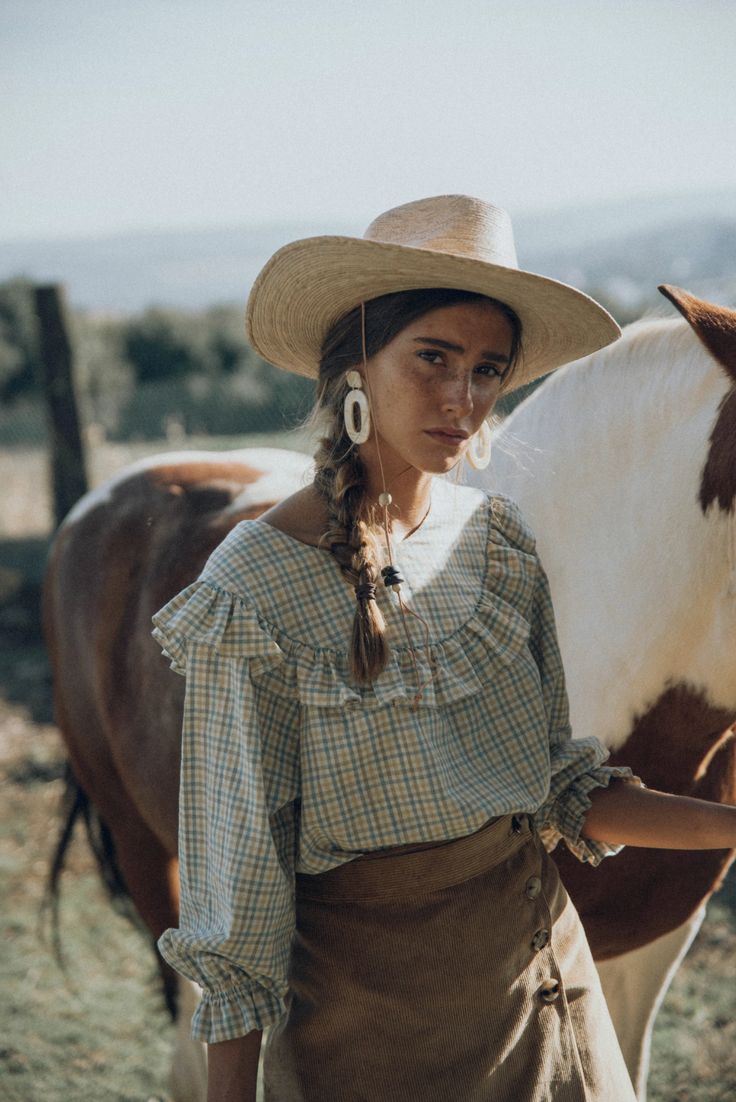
pixel 548 987
pixel 540 914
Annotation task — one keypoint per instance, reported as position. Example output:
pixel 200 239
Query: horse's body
pixel 641 568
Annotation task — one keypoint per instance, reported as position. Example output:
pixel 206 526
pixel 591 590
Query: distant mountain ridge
pixel 622 249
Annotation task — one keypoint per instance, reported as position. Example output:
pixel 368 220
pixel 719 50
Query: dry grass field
pixel 26 505
pixel 98 1032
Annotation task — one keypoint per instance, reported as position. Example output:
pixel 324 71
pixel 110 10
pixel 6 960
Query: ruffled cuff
pixel 223 1015
pixel 564 817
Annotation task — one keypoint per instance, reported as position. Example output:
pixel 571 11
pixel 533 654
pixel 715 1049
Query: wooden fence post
pixel 66 450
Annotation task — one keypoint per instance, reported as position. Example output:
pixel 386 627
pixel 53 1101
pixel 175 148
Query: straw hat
pixel 445 241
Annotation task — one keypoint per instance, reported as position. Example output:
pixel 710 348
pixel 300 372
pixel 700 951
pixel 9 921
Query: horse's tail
pixel 75 805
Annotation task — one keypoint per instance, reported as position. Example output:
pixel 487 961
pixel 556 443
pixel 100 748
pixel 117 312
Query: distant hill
pixel 699 255
pixel 127 272
pixel 622 249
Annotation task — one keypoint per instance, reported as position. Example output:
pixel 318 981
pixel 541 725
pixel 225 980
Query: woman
pixel 376 725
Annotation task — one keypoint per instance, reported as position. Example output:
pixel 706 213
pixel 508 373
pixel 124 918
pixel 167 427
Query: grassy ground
pixel 99 1032
pixel 26 502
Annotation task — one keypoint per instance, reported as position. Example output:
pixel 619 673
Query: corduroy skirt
pixel 456 972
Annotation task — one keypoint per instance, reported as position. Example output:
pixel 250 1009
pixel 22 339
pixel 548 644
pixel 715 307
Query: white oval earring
pixel 355 399
pixel 478 454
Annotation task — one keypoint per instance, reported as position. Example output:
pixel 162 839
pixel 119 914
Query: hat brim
pixel 307 285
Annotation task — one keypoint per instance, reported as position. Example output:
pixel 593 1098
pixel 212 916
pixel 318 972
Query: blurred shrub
pixel 141 377
pixel 202 406
pixel 19 358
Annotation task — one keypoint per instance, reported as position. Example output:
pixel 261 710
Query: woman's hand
pixel 232 1069
pixel 624 814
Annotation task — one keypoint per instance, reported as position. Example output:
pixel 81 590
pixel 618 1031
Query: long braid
pixel 340 479
pixel 340 476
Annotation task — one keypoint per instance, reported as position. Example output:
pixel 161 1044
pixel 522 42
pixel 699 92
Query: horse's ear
pixel 714 326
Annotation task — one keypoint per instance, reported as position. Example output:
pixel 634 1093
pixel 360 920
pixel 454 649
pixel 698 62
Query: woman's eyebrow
pixel 450 347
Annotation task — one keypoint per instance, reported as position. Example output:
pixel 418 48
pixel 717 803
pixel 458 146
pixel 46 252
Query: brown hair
pixel 339 472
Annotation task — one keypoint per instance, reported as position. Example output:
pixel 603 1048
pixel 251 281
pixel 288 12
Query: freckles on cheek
pixel 417 388
pixel 398 395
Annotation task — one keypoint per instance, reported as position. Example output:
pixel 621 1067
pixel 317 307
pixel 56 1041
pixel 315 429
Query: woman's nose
pixel 458 395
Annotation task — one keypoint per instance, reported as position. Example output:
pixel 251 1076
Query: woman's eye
pixel 431 357
pixel 490 370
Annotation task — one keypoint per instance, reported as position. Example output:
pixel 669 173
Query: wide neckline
pixel 414 537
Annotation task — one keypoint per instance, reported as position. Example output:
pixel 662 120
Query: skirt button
pixel 549 991
pixel 540 939
pixel 533 887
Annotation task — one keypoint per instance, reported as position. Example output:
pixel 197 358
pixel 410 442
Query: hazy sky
pixel 157 114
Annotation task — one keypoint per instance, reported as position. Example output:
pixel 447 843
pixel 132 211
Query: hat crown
pixel 456 224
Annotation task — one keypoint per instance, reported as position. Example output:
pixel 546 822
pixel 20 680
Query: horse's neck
pixel 603 424
pixel 605 462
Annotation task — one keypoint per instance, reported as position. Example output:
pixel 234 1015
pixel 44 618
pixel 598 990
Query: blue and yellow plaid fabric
pixel 289 766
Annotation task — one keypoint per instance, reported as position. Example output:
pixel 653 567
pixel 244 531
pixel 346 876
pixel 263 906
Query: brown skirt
pixel 456 972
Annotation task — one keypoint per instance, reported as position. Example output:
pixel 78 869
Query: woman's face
pixel 430 388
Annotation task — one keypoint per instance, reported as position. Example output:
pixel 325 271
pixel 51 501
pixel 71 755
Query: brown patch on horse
pixel 112 568
pixel 715 327
pixel 718 480
pixel 196 472
pixel 209 487
pixel 682 744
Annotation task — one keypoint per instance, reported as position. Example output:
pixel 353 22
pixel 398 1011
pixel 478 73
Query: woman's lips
pixel 450 438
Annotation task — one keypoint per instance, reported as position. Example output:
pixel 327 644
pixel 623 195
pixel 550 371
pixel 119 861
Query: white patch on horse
pixel 635 985
pixel 286 472
pixel 628 427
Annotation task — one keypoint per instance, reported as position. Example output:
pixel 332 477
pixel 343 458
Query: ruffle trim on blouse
pixel 207 615
pixel 203 614
pixel 508 525
pixel 223 1015
pixel 586 850
pixel 464 663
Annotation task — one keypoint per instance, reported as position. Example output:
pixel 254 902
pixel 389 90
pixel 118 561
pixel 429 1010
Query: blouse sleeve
pixel 237 829
pixel 576 764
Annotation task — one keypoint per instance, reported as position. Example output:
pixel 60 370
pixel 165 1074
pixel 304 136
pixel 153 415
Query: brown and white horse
pixel 628 476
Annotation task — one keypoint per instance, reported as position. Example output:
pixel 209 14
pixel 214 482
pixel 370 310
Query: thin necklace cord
pixel 404 608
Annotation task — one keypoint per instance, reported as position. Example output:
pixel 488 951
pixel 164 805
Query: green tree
pixel 167 344
pixel 20 374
